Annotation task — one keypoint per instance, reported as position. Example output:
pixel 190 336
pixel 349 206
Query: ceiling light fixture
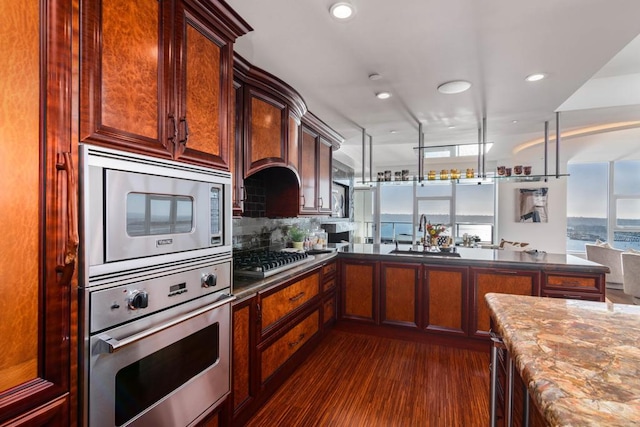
pixel 342 11
pixel 374 76
pixel 454 86
pixel 383 95
pixel 535 77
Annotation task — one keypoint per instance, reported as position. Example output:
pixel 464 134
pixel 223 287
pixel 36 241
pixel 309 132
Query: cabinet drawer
pixel 282 349
pixel 329 269
pixel 573 295
pixel 279 304
pixel 575 283
pixel 329 284
pixel 329 310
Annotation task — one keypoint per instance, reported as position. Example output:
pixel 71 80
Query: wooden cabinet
pixel 308 171
pixel 399 294
pixel 571 285
pixel 446 296
pixel 243 351
pixel 156 77
pixel 506 281
pixel 265 142
pixel 238 193
pixel 315 172
pixel 38 361
pixel 359 281
pixel 329 294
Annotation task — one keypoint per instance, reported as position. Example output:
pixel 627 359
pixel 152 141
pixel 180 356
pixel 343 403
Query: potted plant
pixel 297 237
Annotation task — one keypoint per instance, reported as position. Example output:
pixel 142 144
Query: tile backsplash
pixel 267 233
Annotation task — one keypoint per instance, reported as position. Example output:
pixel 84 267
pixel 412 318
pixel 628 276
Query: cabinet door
pixel 204 90
pixel 499 281
pixel 37 190
pixel 308 171
pixel 360 285
pixel 124 69
pixel 324 176
pixel 399 287
pixel 244 342
pixel 446 295
pixel 293 142
pixel 264 143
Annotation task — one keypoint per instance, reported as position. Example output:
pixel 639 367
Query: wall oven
pixel 155 315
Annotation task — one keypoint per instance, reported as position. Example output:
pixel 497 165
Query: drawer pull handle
pixel 296 297
pixel 295 343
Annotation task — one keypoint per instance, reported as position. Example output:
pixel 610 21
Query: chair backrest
pixel 631 269
pixel 609 257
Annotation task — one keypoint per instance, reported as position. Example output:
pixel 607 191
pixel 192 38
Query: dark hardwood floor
pixel 362 380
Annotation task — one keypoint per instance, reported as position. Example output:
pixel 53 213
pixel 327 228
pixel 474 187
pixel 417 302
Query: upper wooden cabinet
pixel 156 77
pixel 265 141
pixel 316 153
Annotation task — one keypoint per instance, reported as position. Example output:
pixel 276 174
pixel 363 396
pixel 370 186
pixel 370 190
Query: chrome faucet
pixel 422 226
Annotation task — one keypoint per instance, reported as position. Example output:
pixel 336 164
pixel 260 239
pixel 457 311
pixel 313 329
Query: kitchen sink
pixel 423 253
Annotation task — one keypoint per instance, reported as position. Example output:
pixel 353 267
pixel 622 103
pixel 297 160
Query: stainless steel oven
pixel 141 210
pixel 155 280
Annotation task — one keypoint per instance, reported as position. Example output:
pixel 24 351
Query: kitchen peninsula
pixel 442 294
pixel 579 359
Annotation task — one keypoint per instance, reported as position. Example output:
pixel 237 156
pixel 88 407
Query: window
pixel 475 211
pixel 603 205
pixel 396 213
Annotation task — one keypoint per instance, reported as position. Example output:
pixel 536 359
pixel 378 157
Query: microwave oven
pixel 138 211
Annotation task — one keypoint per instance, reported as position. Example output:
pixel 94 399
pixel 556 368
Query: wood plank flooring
pixel 361 380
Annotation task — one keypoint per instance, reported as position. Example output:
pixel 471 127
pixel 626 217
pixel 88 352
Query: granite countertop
pixel 580 359
pixel 247 286
pixel 478 257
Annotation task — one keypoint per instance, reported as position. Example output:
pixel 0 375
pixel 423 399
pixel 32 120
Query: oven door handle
pixel 106 344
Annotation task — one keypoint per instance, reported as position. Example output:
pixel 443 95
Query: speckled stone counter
pixel 580 360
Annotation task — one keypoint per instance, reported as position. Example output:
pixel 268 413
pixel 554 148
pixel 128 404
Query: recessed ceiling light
pixel 374 76
pixel 342 10
pixel 393 131
pixel 535 77
pixel 454 86
pixel 452 127
pixel 383 95
pixel 514 122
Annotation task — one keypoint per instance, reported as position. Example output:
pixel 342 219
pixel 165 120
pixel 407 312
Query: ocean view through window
pixel 603 203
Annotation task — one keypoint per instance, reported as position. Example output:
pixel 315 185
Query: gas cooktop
pixel 261 264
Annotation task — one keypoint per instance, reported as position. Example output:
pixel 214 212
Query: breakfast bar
pixel 579 360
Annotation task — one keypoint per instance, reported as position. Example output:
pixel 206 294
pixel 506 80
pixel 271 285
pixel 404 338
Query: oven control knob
pixel 138 299
pixel 208 280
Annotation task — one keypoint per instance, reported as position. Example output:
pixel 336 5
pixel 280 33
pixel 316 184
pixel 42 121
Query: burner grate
pixel 266 263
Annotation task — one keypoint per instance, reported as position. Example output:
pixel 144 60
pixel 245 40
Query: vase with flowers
pixel 434 231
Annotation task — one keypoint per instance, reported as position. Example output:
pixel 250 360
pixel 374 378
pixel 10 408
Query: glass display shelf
pixel 464 180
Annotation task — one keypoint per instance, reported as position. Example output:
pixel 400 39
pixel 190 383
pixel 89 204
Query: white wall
pixel 550 236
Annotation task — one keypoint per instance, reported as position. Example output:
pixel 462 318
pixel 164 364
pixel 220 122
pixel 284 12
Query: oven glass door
pixel 166 378
pixel 149 215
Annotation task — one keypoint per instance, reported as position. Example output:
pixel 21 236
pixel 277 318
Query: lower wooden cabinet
pixel 399 291
pixel 446 296
pixel 273 331
pixel 360 290
pixel 243 345
pixel 486 280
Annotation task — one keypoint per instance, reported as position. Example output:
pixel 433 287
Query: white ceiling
pixel 418 44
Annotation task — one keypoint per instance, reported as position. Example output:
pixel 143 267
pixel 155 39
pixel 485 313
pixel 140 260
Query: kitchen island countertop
pixel 579 359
